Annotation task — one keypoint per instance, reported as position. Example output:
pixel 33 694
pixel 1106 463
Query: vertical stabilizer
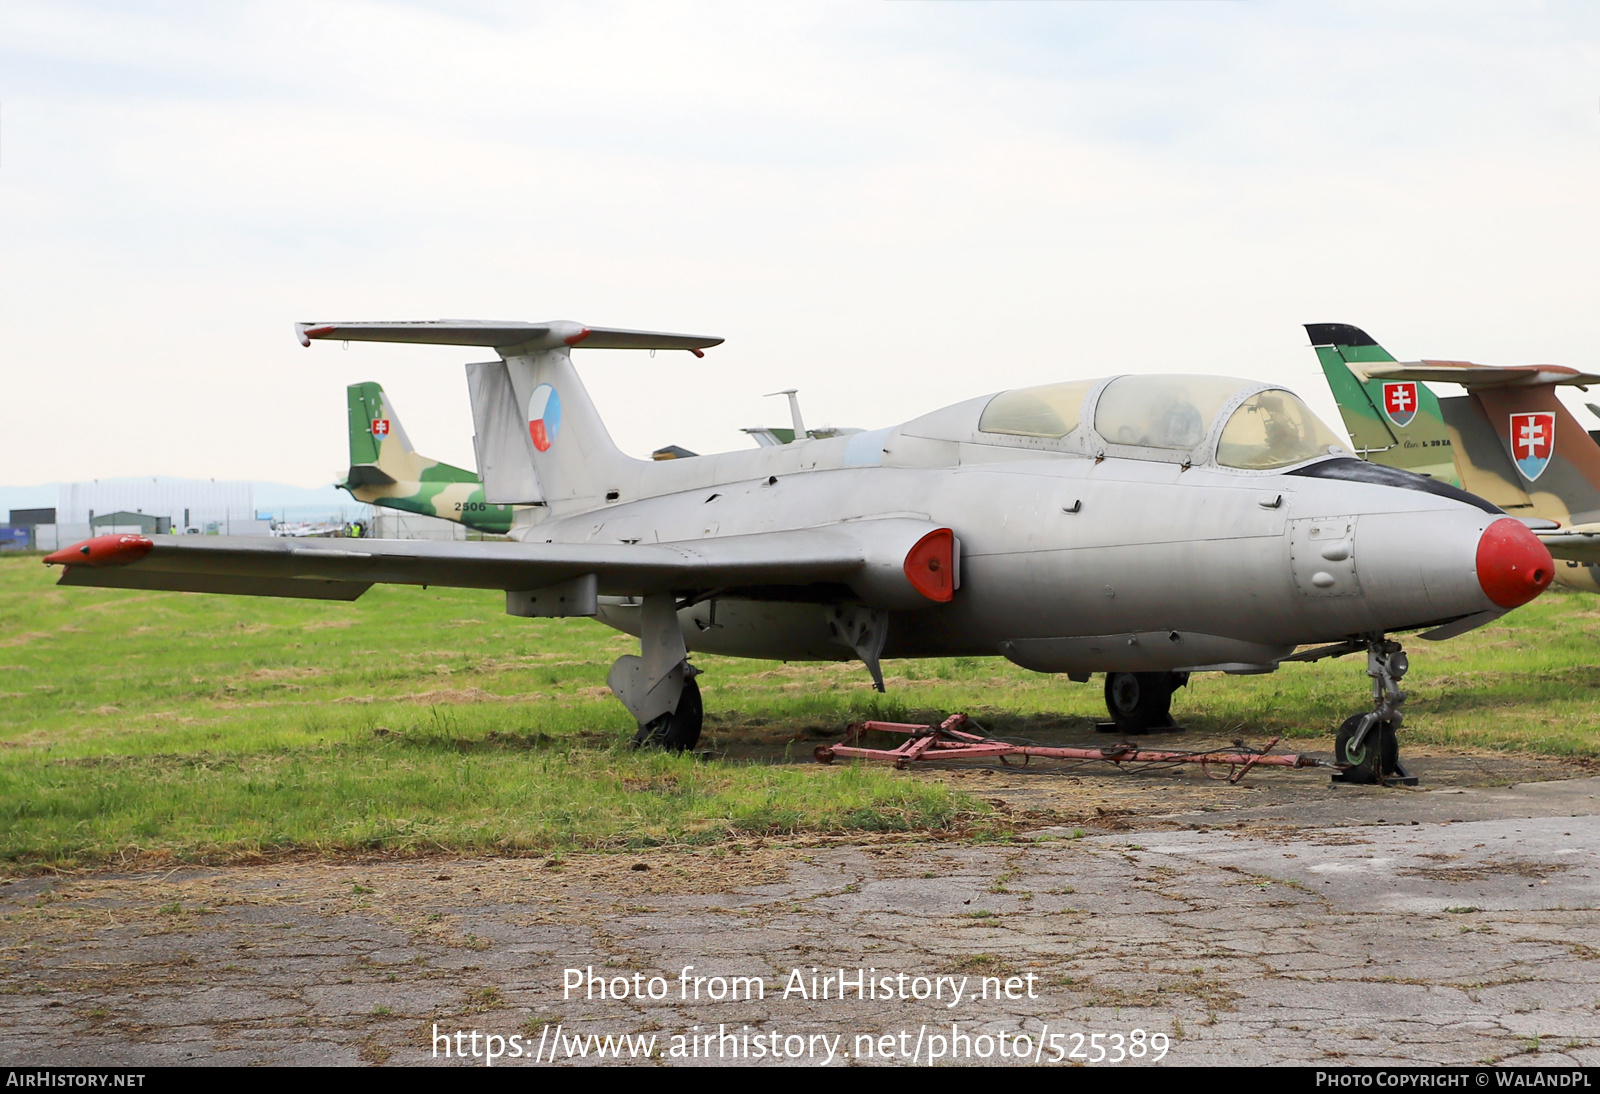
pixel 377 439
pixel 1396 423
pixel 577 464
pixel 1555 459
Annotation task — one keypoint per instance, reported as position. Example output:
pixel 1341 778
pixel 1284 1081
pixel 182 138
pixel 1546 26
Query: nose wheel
pixel 1141 701
pixel 1366 746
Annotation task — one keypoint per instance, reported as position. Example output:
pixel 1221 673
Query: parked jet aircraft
pixel 766 436
pixel 1142 526
pixel 1508 439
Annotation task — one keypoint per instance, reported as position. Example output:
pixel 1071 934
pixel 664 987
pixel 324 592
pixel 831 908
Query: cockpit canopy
pixel 1240 423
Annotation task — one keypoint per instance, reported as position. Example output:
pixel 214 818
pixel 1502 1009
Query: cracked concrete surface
pixel 1345 925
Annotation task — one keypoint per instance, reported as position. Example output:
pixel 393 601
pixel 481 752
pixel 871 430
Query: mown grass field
pixel 214 728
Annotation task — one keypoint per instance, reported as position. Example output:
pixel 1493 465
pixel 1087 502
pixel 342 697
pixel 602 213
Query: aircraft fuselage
pixel 1076 565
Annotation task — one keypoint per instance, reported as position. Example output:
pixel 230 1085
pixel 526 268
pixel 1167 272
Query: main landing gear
pixel 679 730
pixel 1139 702
pixel 1366 745
pixel 658 686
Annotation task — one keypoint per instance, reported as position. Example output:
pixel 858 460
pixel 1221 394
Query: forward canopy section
pixel 893 563
pixel 509 338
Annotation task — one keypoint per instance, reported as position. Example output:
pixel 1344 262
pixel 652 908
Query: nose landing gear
pixel 1366 745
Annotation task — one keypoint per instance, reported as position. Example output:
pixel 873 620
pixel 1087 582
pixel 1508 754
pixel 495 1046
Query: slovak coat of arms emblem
pixel 1533 441
pixel 1400 402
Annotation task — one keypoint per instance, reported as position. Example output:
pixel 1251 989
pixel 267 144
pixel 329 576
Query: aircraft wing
pixel 1470 375
pixel 889 563
pixel 1579 543
pixel 509 338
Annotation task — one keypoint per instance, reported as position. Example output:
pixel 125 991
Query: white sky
pixel 889 206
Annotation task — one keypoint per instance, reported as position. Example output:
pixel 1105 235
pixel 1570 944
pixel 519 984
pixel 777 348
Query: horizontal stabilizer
pixel 366 474
pixel 1579 543
pixel 1470 375
pixel 509 338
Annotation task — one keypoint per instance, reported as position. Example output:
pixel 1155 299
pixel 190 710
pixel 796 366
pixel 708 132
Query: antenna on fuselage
pixel 794 410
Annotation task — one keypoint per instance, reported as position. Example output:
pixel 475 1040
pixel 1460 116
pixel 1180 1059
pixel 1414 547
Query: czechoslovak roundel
pixel 544 417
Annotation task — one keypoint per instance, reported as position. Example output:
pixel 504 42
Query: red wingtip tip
pixel 308 333
pixel 102 551
pixel 574 339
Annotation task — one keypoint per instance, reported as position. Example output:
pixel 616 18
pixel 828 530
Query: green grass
pixel 210 727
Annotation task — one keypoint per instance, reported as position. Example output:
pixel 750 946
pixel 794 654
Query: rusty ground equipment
pixel 951 740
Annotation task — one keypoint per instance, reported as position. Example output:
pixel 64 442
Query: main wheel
pixel 678 731
pixel 1141 701
pixel 1377 756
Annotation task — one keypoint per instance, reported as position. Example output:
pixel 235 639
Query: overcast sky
pixel 890 206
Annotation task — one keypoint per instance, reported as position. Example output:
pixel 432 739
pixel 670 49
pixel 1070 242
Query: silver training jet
pixel 1146 527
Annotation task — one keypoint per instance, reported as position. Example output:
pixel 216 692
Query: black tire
pixel 678 731
pixel 1379 754
pixel 1141 701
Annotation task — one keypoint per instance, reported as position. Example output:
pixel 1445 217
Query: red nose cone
pixel 102 551
pixel 1513 566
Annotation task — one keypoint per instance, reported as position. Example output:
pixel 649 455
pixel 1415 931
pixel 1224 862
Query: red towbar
pixel 949 741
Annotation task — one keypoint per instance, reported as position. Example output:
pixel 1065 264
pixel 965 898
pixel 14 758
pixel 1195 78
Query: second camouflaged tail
pixel 385 470
pixel 1397 423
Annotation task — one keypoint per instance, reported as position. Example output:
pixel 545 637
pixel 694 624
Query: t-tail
pixel 1394 422
pixel 385 470
pixel 539 439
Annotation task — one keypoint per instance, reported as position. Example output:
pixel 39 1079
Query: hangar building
pixel 154 505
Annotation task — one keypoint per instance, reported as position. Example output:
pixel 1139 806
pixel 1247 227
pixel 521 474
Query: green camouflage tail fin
pixel 1397 423
pixel 385 470
pixel 380 452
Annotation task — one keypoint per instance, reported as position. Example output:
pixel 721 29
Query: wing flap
pixel 166 581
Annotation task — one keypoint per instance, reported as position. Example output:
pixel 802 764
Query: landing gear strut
pixel 658 686
pixel 1141 701
pixel 1366 744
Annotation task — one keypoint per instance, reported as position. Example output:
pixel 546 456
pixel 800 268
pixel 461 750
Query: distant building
pixel 18 535
pixel 141 523
pixel 152 506
pixel 188 504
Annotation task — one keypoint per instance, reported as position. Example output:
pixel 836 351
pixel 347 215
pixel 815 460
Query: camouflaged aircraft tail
pixel 385 470
pixel 1397 423
pixel 1512 442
